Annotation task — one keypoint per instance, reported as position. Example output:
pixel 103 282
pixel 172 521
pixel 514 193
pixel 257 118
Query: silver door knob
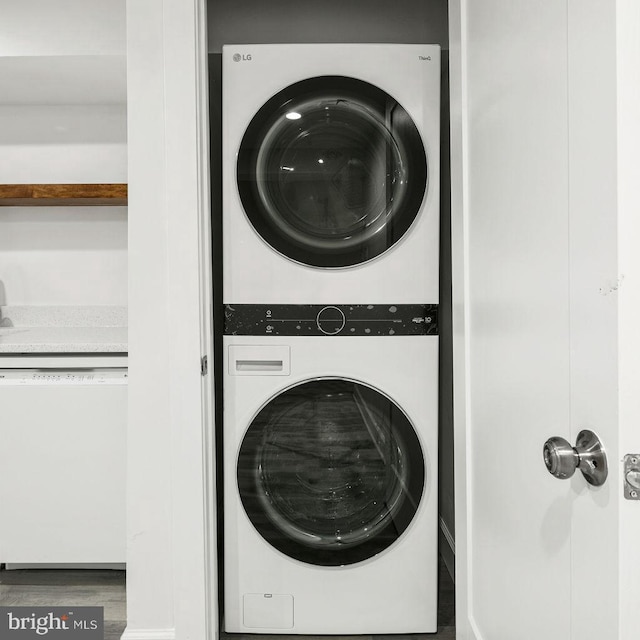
pixel 588 455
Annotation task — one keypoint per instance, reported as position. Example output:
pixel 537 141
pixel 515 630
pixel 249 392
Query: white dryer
pixel 331 173
pixel 330 469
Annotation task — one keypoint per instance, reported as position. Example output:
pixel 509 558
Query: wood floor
pixel 63 587
pixel 104 588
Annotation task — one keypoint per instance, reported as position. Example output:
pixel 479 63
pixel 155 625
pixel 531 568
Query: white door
pixel 546 282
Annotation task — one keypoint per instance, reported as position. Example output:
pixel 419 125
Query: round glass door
pixel 332 172
pixel 331 472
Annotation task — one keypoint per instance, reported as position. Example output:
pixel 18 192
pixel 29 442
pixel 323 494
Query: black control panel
pixel 330 320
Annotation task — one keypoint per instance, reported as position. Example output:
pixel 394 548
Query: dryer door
pixel 331 472
pixel 332 172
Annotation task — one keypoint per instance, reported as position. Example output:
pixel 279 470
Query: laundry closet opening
pixel 374 208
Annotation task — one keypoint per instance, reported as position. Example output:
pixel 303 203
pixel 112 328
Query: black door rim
pixel 382 226
pixel 292 540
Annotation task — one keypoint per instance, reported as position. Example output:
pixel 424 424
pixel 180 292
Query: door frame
pixel 628 130
pixel 171 528
pixel 459 302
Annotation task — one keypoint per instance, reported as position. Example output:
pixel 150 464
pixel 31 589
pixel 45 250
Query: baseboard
pixel 148 634
pixel 447 548
pixel 116 566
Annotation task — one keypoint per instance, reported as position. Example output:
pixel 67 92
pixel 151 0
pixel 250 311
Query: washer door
pixel 332 172
pixel 331 472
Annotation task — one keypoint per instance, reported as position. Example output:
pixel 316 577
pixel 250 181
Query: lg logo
pixel 237 57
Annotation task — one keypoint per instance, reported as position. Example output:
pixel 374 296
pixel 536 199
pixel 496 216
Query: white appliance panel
pixel 62 463
pixel 253 271
pixel 392 592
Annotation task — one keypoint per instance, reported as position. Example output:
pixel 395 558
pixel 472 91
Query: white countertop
pixel 63 340
pixel 63 330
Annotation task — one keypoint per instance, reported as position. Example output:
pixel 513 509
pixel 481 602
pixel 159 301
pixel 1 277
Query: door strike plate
pixel 632 476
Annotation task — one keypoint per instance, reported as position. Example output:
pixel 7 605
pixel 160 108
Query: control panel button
pixel 330 321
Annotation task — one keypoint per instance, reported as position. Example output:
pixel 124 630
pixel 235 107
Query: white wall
pixel 62 27
pixel 63 80
pixel 63 120
pixel 628 165
pixel 63 255
pixel 284 21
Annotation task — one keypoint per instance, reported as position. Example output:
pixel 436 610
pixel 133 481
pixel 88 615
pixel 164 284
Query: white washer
pixel 330 481
pixel 331 173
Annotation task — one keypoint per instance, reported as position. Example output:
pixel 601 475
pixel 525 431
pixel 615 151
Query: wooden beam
pixel 58 195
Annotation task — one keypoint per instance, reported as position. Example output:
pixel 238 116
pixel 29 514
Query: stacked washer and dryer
pixel 330 286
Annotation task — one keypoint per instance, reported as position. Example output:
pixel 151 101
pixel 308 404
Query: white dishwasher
pixel 62 459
